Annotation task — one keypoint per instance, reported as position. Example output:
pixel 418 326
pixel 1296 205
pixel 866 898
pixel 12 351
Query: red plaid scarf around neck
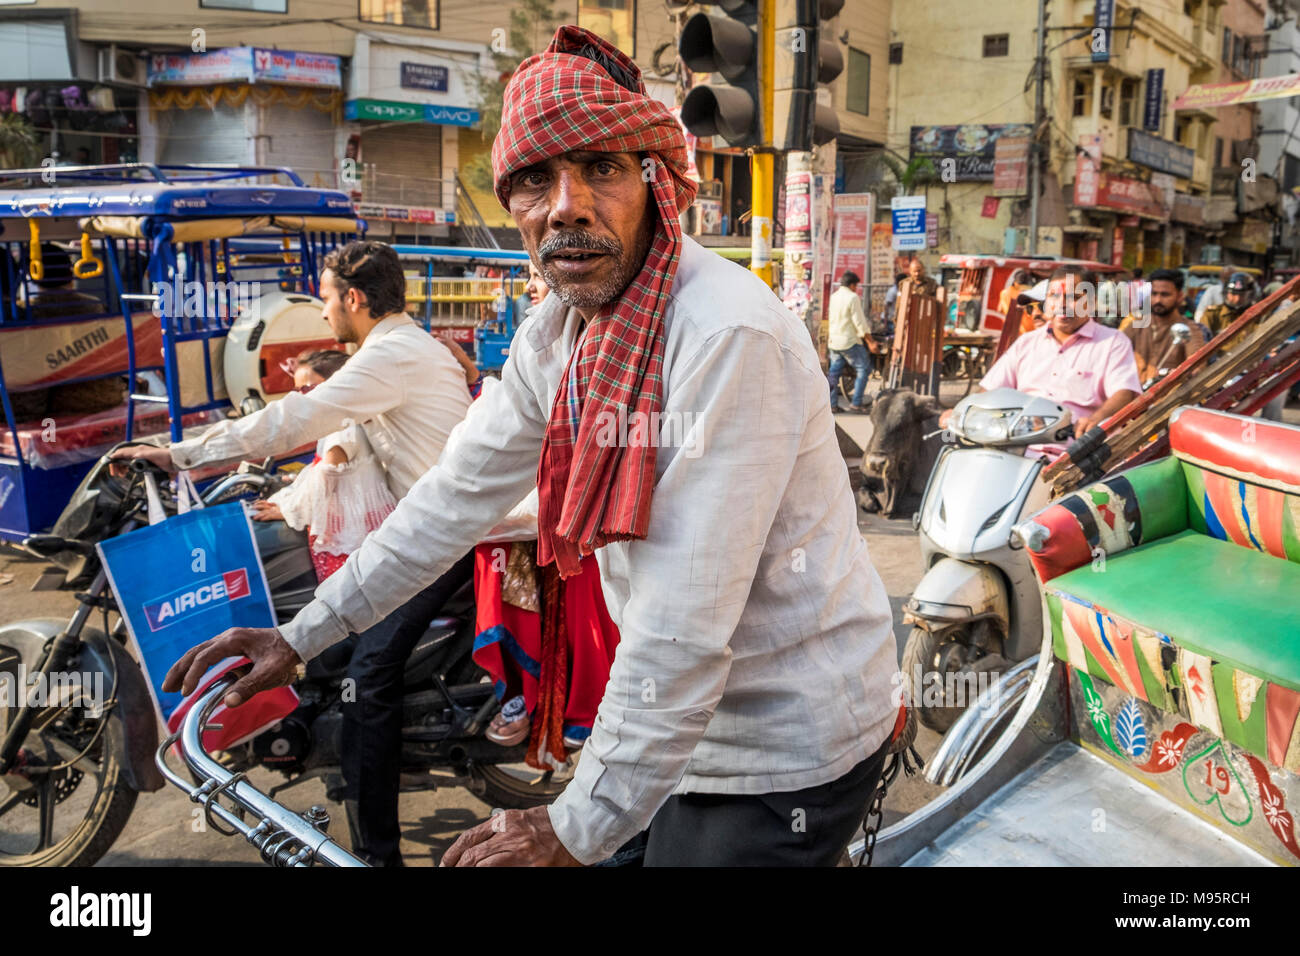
pixel 591 491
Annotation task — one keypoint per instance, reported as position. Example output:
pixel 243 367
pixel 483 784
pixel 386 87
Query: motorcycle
pixel 73 765
pixel 976 611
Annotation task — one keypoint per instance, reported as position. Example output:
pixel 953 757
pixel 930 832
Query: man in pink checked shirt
pixel 1072 359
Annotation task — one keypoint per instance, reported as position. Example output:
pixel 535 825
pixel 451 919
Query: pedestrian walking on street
pixel 849 331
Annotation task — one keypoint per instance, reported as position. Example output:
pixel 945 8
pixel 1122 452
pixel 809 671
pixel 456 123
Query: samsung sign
pixel 389 111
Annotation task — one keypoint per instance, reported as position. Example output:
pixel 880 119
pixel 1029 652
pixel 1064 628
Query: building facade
pixel 1127 178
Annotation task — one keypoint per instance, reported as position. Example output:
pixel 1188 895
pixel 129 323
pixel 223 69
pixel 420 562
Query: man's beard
pixel 346 334
pixel 626 266
pixel 1161 310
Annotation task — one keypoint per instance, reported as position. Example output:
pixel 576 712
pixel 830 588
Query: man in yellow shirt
pixel 846 342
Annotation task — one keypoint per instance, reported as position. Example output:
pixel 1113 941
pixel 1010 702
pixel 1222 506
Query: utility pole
pixel 1035 159
pixel 763 168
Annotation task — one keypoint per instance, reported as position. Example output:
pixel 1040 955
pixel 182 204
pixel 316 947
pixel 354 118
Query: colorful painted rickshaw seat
pixel 1178 581
pixel 1209 597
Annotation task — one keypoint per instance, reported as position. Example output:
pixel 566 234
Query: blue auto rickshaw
pixel 142 300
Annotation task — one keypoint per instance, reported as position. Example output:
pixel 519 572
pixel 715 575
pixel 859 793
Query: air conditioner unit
pixel 709 189
pixel 117 65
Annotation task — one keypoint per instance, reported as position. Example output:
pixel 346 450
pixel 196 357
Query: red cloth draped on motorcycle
pixel 591 491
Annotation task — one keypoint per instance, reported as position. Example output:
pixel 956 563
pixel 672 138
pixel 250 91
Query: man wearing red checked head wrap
pixel 675 420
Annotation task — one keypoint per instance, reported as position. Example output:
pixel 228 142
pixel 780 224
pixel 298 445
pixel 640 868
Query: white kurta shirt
pixel 757 652
pixel 403 384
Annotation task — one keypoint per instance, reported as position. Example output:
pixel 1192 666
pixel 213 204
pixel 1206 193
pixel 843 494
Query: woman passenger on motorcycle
pixel 341 496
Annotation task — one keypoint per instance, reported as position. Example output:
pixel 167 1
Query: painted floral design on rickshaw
pixel 1210 774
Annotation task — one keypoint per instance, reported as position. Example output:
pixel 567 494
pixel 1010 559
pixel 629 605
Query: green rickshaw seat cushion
pixel 1234 605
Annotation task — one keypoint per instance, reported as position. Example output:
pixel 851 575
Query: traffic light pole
pixel 763 164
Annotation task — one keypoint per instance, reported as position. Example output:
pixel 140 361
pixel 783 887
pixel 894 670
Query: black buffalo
pixel 899 458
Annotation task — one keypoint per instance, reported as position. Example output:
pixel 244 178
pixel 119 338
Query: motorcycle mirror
pixel 1181 332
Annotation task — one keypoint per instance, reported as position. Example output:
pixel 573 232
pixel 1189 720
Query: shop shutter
pixel 201 135
pixel 403 165
pixel 303 140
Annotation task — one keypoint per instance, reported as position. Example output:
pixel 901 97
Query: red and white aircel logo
pixel 221 589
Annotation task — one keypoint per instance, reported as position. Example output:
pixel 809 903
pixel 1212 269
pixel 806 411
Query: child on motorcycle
pixel 342 495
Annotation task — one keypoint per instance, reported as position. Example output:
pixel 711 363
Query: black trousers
pixel 809 827
pixel 372 722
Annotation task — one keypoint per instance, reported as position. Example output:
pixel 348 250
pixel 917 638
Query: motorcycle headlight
pixel 987 424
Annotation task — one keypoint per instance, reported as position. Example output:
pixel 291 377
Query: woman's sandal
pixel 511 725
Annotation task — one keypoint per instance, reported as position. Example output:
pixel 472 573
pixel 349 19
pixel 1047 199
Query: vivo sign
pixel 390 110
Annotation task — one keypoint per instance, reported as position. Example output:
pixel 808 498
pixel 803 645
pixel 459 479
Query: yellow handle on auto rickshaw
pixel 88 266
pixel 35 267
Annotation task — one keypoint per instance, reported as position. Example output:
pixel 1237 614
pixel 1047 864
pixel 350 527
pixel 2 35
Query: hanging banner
pixel 1155 100
pixel 853 215
pixel 1207 96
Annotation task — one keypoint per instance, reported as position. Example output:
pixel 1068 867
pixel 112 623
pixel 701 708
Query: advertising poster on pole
pixel 853 215
pixel 796 274
pixel 882 265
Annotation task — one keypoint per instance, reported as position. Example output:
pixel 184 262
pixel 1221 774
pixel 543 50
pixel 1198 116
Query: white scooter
pixel 977 611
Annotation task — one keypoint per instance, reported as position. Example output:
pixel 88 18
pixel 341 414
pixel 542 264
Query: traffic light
pixel 726 46
pixel 806 55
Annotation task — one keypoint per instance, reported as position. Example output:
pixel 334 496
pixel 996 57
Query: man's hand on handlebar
pixel 275 663
pixel 159 456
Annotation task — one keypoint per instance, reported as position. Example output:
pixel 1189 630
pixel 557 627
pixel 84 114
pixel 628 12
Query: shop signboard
pixel 972 147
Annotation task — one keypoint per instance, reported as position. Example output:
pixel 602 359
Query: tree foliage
pixel 19 145
pixel 532 23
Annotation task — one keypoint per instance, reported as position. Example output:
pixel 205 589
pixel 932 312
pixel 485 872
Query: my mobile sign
pixel 908 213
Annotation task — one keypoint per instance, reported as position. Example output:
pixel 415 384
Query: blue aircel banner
pixel 183 581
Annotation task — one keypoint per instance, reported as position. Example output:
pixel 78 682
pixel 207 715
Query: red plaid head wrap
pixel 591 491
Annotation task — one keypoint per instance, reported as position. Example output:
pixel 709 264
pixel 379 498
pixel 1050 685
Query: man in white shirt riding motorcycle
pixel 408 392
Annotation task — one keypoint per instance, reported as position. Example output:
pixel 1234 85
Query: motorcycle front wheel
pixel 518 786
pixel 927 661
pixel 71 815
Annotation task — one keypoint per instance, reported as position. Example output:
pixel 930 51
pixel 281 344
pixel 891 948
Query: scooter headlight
pixel 987 425
pixel 1030 425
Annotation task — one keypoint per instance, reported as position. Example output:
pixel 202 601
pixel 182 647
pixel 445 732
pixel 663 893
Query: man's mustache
pixel 577 239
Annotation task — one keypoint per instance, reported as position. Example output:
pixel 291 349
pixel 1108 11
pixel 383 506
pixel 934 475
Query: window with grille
pixel 859 82
pixel 1128 99
pixel 1082 94
pixel 995 44
pixel 406 13
pixel 895 53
